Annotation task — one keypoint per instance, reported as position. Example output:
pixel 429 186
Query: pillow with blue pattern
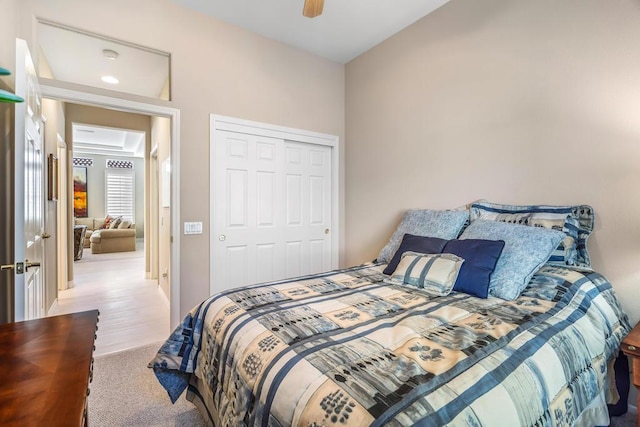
pixel 425 222
pixel 526 250
pixel 435 273
pixel 576 222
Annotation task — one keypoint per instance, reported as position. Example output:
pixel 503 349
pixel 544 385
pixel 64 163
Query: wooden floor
pixel 133 312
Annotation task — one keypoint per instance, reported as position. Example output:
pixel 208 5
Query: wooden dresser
pixel 631 347
pixel 46 366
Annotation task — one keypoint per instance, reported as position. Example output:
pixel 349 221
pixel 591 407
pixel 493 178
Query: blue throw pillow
pixel 526 249
pixel 480 259
pixel 420 244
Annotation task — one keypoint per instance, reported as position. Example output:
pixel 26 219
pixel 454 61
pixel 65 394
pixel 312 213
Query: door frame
pixel 80 94
pixel 62 225
pixel 234 124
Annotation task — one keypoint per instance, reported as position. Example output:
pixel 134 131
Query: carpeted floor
pixel 627 420
pixel 124 392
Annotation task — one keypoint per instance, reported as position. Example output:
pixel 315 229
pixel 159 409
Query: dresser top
pixel 44 369
pixel 634 337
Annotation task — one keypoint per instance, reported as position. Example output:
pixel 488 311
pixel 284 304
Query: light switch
pixel 192 228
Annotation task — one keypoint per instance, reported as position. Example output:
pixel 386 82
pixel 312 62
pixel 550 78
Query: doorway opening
pixel 166 121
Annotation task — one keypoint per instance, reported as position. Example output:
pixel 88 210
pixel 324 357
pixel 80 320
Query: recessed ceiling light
pixel 110 79
pixel 110 54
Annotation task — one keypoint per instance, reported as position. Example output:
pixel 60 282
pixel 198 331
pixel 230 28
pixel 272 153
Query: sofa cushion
pixel 113 240
pixel 87 222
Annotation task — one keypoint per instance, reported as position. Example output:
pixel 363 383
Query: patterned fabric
pixel 411 243
pixel 526 249
pixel 435 273
pixel 82 161
pixel 424 222
pixel 344 348
pixel 575 221
pixel 115 222
pixel 79 232
pixel 119 164
pixel 107 222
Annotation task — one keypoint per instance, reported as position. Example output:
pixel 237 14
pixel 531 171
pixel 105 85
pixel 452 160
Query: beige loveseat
pixel 121 238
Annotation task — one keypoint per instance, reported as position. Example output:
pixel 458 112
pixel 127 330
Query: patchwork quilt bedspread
pixel 346 348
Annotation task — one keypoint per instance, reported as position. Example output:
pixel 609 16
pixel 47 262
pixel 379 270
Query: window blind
pixel 120 193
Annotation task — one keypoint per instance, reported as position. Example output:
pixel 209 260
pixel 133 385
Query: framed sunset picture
pixel 80 192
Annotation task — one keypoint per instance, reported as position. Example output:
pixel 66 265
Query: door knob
pixel 7 267
pixel 222 237
pixel 28 264
pixel 326 231
pixel 45 235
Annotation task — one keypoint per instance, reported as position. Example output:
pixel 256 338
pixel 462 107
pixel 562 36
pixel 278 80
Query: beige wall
pixel 216 68
pixel 514 101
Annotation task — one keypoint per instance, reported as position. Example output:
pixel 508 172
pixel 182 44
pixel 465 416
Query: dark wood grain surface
pixel 631 347
pixel 45 368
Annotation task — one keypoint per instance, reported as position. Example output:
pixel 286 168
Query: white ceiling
pixel 346 28
pixel 78 58
pixel 91 139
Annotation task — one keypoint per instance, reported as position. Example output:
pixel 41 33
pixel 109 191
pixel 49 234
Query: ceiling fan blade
pixel 312 8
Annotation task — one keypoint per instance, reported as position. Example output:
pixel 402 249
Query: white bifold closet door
pixel 272 209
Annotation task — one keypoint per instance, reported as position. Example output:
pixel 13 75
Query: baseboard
pixel 53 308
pixel 164 297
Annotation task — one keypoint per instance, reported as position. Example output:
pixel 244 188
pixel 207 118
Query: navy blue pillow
pixel 480 259
pixel 420 244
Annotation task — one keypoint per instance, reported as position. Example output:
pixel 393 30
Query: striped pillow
pixel 576 222
pixel 435 273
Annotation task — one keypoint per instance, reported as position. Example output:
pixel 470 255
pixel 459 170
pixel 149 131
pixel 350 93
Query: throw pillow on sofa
pixel 107 222
pixel 115 223
pixel 125 223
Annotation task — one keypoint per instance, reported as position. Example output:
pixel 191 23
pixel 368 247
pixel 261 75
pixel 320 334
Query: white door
pixel 307 230
pixel 29 206
pixel 271 209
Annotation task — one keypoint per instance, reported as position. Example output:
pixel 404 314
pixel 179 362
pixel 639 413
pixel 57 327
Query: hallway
pixel 133 311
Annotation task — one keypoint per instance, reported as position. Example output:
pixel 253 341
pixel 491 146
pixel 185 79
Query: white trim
pixel 53 308
pixel 61 142
pixel 79 94
pixel 164 297
pixel 19 158
pixel 291 134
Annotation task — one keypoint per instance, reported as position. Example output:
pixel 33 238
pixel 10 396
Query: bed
pixel 354 347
